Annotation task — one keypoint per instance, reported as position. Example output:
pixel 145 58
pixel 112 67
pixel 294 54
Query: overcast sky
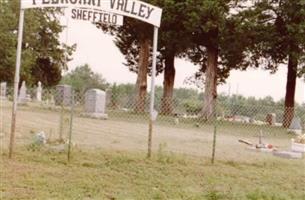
pixel 98 50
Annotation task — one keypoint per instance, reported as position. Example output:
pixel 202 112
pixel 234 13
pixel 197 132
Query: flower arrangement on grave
pixel 298 144
pixel 300 139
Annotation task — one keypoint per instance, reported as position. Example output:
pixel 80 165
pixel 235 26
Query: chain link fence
pixel 117 120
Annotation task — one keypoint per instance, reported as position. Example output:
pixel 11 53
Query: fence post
pixel 1 114
pixel 215 131
pixel 149 138
pixel 61 123
pixel 16 83
pixel 71 125
pixel 152 93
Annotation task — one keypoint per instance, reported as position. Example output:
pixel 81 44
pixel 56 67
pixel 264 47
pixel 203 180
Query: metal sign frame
pixel 120 7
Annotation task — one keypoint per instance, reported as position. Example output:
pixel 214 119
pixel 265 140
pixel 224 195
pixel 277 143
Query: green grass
pixel 99 174
pixel 38 174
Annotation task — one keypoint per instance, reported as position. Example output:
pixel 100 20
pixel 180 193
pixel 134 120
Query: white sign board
pixel 96 16
pixel 130 8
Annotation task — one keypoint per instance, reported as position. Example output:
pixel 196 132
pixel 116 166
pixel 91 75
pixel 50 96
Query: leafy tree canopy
pixel 83 78
pixel 219 25
pixel 278 29
pixel 43 56
pixel 172 36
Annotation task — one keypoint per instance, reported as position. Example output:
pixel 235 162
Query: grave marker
pixel 63 95
pixel 23 98
pixel 95 104
pixel 39 92
pixel 295 126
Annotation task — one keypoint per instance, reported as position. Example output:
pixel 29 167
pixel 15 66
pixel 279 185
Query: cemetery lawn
pixel 97 174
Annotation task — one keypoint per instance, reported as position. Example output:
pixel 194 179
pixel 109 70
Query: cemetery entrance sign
pixel 109 11
pixel 129 8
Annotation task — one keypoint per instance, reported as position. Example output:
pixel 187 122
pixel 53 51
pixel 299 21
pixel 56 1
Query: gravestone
pixel 95 104
pixel 39 92
pixel 271 119
pixel 3 90
pixel 295 126
pixel 23 98
pixel 63 95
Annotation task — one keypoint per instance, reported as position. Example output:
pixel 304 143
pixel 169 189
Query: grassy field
pixel 108 161
pixel 125 175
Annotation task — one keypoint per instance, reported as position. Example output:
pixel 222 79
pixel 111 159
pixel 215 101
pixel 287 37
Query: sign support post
pixel 135 9
pixel 16 82
pixel 152 91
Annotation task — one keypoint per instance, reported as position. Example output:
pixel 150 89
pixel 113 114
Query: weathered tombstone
pixel 39 92
pixel 295 126
pixel 22 91
pixel 271 119
pixel 95 103
pixel 63 95
pixel 3 90
pixel 23 98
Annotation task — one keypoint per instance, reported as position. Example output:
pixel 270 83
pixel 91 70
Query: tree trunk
pixel 168 85
pixel 210 92
pixel 290 91
pixel 141 84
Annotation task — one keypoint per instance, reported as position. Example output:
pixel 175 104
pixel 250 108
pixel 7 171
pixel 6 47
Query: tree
pixel 279 39
pixel 121 95
pixel 43 56
pixel 172 42
pixel 83 78
pixel 7 41
pixel 219 43
pixel 134 41
pixel 115 95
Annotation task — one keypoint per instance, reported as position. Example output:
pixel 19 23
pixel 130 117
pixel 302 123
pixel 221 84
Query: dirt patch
pixel 132 136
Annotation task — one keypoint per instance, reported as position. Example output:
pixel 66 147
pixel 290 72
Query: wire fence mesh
pixel 116 119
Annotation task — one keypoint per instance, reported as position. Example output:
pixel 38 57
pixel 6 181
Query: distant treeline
pixel 190 101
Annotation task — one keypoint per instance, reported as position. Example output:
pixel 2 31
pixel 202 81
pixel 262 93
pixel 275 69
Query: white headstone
pixel 295 126
pixel 23 97
pixel 22 92
pixel 95 104
pixel 296 123
pixel 3 90
pixel 63 95
pixel 39 92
